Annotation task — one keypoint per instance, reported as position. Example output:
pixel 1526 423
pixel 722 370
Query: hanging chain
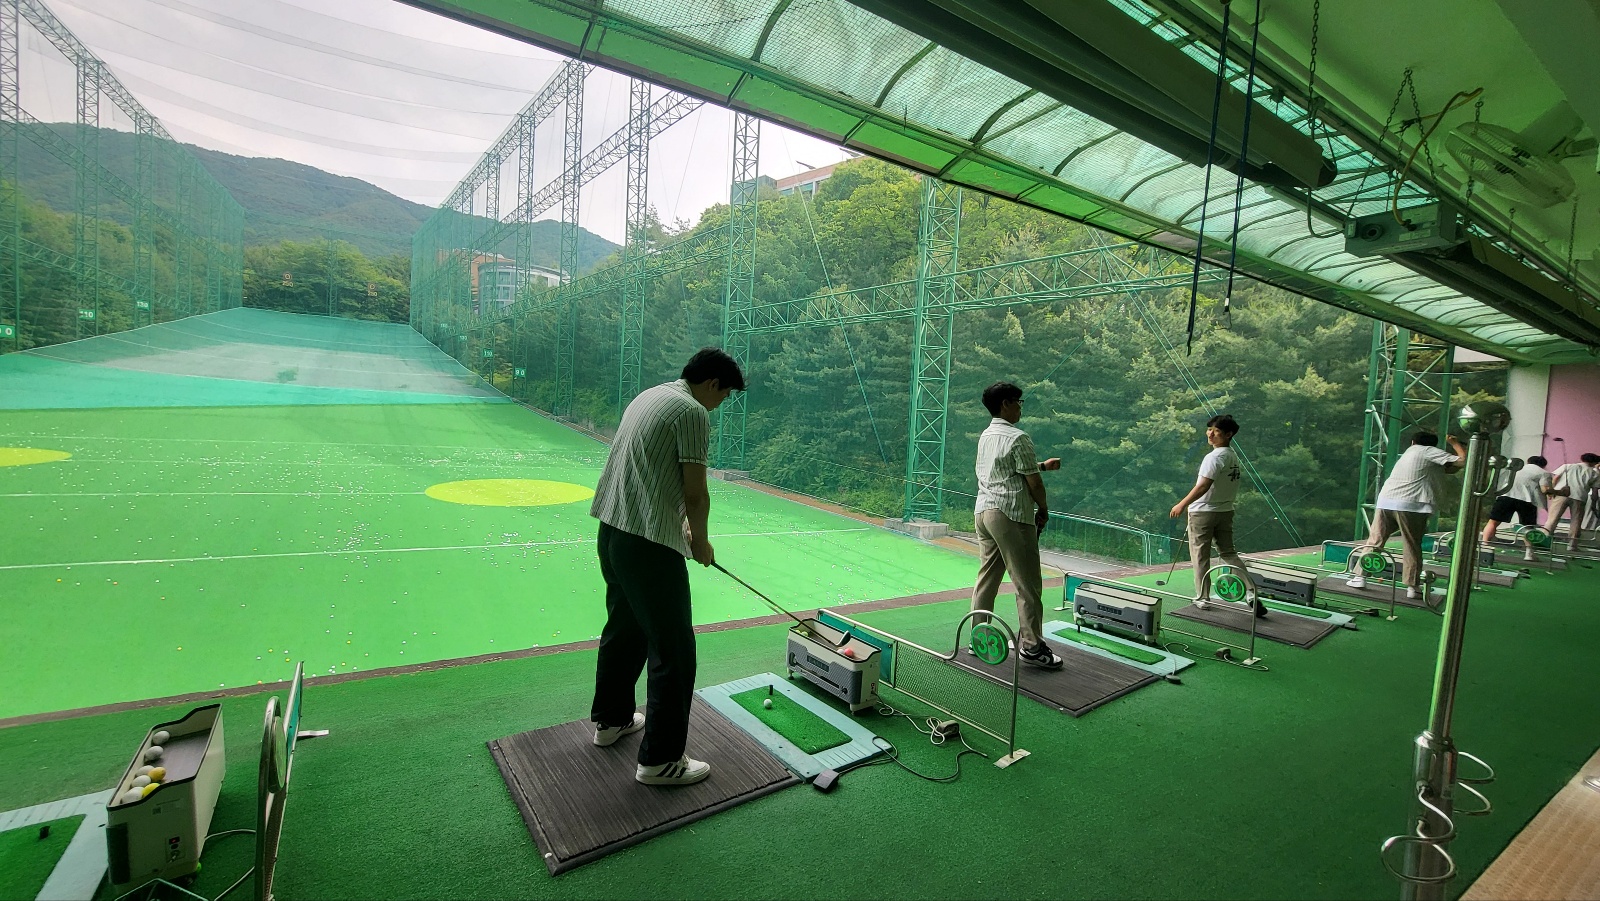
pixel 1572 243
pixel 1472 172
pixel 1315 119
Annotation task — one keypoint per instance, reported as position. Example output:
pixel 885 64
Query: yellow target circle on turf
pixel 27 456
pixel 509 492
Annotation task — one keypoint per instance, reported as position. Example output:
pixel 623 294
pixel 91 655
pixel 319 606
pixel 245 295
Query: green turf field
pixel 184 549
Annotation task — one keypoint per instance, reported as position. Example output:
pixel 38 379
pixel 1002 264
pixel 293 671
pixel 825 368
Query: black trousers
pixel 647 619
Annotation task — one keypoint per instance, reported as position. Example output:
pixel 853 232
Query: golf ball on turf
pixel 160 738
pixel 153 752
pixel 767 703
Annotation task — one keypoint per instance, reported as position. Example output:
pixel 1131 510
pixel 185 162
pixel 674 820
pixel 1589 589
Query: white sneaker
pixel 683 771
pixel 1199 604
pixel 606 736
pixel 1412 594
pixel 1357 582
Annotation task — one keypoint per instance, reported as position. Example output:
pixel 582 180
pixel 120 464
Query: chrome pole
pixel 1428 866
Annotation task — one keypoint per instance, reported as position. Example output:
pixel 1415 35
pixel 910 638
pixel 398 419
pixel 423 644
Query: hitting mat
pixel 581 802
pixel 1279 626
pixel 1377 593
pixel 1086 681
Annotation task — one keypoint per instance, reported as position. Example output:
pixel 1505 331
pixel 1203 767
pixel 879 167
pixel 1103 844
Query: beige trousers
pixel 1412 527
pixel 1560 505
pixel 1205 528
pixel 1006 545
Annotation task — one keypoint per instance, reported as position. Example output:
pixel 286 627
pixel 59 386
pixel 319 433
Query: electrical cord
pixel 241 879
pixel 1169 646
pixel 892 754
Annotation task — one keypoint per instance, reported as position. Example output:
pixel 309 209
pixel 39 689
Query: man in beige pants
pixel 1011 512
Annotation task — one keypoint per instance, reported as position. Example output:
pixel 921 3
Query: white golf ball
pixel 153 752
pixel 160 738
pixel 141 781
pixel 767 703
pixel 132 795
pixel 145 770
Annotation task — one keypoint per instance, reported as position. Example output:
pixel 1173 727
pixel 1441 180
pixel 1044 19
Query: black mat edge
pixel 557 866
pixel 1310 643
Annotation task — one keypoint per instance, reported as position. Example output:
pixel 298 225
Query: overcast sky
pixel 375 90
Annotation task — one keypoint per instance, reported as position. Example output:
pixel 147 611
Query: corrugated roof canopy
pixel 834 70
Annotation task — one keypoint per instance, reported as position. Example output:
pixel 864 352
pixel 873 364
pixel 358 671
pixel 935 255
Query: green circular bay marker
pixel 1230 587
pixel 989 644
pixel 1373 564
pixel 1538 537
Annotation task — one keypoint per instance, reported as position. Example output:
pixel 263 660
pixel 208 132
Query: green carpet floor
pixel 191 549
pixel 1235 784
pixel 26 860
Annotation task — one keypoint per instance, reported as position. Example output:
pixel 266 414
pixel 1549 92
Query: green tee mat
pixel 860 743
pixel 1115 647
pixel 26 861
pixel 798 726
pixel 212 545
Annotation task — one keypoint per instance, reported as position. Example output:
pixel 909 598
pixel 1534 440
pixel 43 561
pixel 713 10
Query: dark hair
pixel 1425 439
pixel 1538 461
pixel 997 394
pixel 1224 424
pixel 712 363
pixel 1590 459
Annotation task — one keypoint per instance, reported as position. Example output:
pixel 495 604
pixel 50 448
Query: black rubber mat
pixel 1375 593
pixel 581 802
pixel 1085 682
pixel 1300 631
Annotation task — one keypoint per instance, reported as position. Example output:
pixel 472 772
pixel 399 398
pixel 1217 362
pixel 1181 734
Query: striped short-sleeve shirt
pixel 641 487
pixel 1005 460
pixel 1411 487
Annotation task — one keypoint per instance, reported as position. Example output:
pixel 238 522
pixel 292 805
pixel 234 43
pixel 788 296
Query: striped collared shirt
pixel 641 487
pixel 1410 487
pixel 1005 457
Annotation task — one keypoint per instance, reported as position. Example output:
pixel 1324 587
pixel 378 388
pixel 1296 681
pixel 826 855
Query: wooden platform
pixel 1557 856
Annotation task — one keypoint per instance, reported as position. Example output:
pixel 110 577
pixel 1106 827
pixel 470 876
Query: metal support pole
pixel 11 184
pixel 1428 865
pixel 739 293
pixel 630 324
pixel 933 321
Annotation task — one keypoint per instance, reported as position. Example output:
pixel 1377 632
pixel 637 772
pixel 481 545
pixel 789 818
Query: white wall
pixel 1527 394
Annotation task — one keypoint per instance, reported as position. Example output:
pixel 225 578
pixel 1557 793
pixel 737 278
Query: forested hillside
pixel 1104 388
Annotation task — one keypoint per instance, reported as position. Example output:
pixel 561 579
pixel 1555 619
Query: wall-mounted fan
pixel 1499 160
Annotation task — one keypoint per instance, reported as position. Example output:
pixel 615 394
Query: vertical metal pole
pixel 630 325
pixel 938 243
pixel 739 288
pixel 10 138
pixel 571 185
pixel 1428 865
pixel 86 225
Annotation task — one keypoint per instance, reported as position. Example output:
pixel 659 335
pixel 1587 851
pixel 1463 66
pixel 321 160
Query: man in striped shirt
pixel 1406 501
pixel 653 509
pixel 1570 490
pixel 1010 512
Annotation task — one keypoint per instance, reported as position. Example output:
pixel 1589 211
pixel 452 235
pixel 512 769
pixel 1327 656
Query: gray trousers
pixel 1560 505
pixel 1205 528
pixel 1412 527
pixel 1004 544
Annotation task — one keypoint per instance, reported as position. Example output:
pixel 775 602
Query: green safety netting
pixel 840 72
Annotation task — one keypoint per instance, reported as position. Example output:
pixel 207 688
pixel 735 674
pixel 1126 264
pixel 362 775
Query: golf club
pixel 804 629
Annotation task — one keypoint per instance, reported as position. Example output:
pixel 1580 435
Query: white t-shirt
pixel 1005 459
pixel 1410 487
pixel 1529 484
pixel 641 487
pixel 1221 466
pixel 1577 478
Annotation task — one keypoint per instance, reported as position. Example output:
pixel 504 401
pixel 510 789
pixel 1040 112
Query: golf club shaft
pixel 769 601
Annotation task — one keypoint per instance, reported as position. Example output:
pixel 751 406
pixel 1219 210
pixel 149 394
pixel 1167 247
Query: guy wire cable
pixel 1205 196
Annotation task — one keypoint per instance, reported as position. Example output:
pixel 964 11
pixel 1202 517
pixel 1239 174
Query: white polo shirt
pixel 1221 466
pixel 641 487
pixel 1577 478
pixel 1005 459
pixel 1529 484
pixel 1410 487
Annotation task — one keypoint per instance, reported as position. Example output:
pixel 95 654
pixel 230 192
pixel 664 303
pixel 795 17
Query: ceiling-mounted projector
pixel 1431 226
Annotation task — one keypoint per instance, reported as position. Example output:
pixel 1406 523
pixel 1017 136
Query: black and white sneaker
pixel 683 771
pixel 606 736
pixel 1042 656
pixel 1200 604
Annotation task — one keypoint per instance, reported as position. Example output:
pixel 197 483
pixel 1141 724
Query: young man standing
pixel 653 508
pixel 1210 507
pixel 1570 491
pixel 1406 501
pixel 1523 500
pixel 1011 511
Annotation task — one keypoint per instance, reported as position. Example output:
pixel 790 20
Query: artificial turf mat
pixel 1296 609
pixel 27 860
pixel 192 549
pixel 1237 784
pixel 1094 639
pixel 798 726
pixel 1299 631
pixel 1084 682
